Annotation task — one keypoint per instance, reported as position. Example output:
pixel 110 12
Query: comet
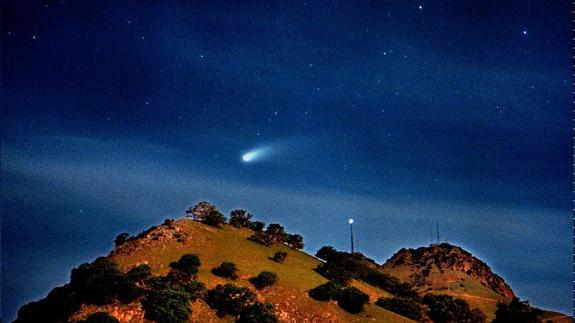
pixel 255 154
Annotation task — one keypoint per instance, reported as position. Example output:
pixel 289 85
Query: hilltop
pixel 173 264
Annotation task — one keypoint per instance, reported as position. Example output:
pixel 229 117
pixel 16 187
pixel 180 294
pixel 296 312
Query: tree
pixel 257 226
pixel 276 232
pixel 326 292
pixel 189 264
pixel 167 304
pixel 215 219
pixel 121 239
pixel 264 279
pixel 258 313
pixel 240 219
pixel 446 309
pixel 100 317
pixel 280 256
pixel 407 307
pixel 327 253
pixel 201 210
pixel 261 238
pixel 229 299
pixel 294 241
pixel 97 282
pixel 139 273
pixel 516 311
pixel 352 300
pixel 227 270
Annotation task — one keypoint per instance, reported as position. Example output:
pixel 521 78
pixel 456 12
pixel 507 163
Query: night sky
pixel 117 115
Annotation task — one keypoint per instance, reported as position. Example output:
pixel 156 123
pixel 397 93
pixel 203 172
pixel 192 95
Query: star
pixel 524 32
pixel 420 7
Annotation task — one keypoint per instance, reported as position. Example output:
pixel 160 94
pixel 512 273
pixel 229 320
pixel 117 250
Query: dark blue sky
pixel 398 113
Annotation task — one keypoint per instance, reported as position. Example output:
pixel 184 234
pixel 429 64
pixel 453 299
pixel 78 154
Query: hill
pixel 203 268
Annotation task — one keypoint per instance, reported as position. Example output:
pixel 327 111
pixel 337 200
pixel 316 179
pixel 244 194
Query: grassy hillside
pixel 213 246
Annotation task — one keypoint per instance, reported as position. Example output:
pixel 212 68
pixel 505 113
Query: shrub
pixel 403 306
pixel 264 279
pixel 334 271
pixel 121 239
pixel 258 313
pixel 96 283
pixel 327 253
pixel 261 238
pixel 55 308
pixel 195 290
pixel 352 299
pixel 276 232
pixel 257 226
pixel 229 299
pixel 444 309
pixel 226 269
pixel 325 292
pixel 201 210
pixel 294 241
pixel 99 317
pixel 516 311
pixel 240 219
pixel 188 264
pixel 168 304
pixel 280 256
pixel 127 291
pixel 215 219
pixel 139 273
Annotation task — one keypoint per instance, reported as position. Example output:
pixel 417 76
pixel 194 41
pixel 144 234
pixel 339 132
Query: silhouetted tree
pixel 121 239
pixel 257 226
pixel 276 232
pixel 215 219
pixel 516 311
pixel 327 253
pixel 240 219
pixel 294 241
pixel 201 210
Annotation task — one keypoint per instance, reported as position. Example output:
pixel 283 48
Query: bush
pixel 276 232
pixel 229 299
pixel 188 264
pixel 215 219
pixel 60 303
pixel 326 292
pixel 258 313
pixel 226 269
pixel 280 256
pixel 98 282
pixel 121 239
pixel 444 309
pixel 99 317
pixel 127 291
pixel 261 238
pixel 294 241
pixel 334 271
pixel 257 226
pixel 139 273
pixel 327 253
pixel 240 219
pixel 516 311
pixel 352 300
pixel 403 306
pixel 195 290
pixel 264 279
pixel 168 304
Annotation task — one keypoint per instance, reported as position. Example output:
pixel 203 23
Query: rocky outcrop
pixel 421 262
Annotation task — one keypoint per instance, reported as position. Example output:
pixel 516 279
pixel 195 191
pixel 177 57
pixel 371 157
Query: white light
pixel 249 156
pixel 350 221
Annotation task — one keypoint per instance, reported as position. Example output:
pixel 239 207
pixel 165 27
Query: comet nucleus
pixel 255 154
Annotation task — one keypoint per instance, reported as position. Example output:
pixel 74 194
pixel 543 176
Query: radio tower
pixel 351 231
